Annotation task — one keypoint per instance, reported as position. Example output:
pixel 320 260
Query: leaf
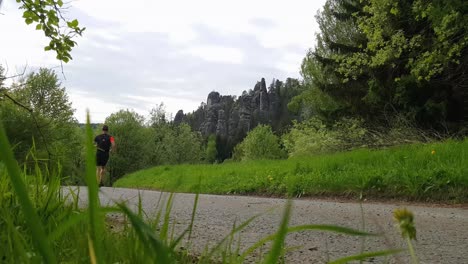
pixel 60 3
pixel 73 24
pixel 28 14
pixel 38 26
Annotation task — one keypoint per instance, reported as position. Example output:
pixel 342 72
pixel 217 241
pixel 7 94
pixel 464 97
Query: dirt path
pixel 442 233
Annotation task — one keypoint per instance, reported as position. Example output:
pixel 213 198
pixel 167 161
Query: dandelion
pixel 405 221
pixel 433 152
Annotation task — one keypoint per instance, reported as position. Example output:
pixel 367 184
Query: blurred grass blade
pixel 66 225
pixel 33 221
pixel 277 247
pixel 234 231
pixel 366 256
pixel 175 242
pixel 194 211
pixel 96 222
pixel 330 228
pixel 167 214
pixel 148 238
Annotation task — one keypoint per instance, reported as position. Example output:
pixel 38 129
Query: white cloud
pixel 217 54
pixel 294 19
pixel 167 51
pixel 21 45
pixel 98 108
pixel 172 104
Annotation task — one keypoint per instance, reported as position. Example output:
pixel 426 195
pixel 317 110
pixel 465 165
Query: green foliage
pixel 132 141
pixel 211 151
pixel 47 16
pixel 260 143
pixel 175 144
pixel 31 217
pixel 41 117
pixel 314 137
pixel 378 58
pixel 142 144
pixel 435 172
pixel 186 145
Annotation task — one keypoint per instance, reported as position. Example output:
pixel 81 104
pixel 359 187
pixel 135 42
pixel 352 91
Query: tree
pixel 132 143
pixel 38 115
pixel 260 143
pixel 377 56
pixel 183 145
pixel 157 115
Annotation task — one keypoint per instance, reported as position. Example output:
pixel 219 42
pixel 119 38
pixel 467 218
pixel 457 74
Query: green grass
pixel 409 172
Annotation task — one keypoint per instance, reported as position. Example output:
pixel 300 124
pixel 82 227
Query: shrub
pixel 260 143
pixel 314 136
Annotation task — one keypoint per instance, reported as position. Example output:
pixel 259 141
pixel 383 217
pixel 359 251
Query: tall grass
pixel 435 172
pixel 39 225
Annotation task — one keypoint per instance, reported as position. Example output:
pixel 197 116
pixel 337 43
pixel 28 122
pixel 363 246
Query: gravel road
pixel 442 232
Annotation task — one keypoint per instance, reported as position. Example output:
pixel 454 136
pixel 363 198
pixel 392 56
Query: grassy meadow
pixel 422 172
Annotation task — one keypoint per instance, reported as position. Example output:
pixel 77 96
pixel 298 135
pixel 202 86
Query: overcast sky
pixel 136 54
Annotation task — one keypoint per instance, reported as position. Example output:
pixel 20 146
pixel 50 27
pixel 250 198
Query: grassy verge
pixel 423 172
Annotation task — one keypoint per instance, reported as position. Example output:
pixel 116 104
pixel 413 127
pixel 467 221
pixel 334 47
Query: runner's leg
pixel 101 175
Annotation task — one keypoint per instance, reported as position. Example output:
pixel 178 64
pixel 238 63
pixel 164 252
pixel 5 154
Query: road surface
pixel 442 232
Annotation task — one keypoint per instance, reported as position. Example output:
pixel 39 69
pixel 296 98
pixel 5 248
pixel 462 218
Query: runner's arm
pixel 112 144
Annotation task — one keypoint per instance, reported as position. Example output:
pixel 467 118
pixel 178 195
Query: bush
pixel 260 143
pixel 314 136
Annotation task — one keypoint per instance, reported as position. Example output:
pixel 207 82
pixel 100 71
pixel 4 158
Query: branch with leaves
pixel 47 15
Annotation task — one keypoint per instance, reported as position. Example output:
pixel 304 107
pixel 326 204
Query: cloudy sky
pixel 136 54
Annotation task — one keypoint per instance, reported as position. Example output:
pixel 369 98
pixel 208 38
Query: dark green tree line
pixel 375 58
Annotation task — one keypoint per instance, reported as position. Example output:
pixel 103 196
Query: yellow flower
pixel 433 152
pixel 405 220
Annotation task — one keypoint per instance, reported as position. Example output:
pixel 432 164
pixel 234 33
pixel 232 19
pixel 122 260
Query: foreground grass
pixel 39 225
pixel 423 172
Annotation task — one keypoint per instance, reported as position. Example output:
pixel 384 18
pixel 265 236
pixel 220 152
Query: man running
pixel 105 144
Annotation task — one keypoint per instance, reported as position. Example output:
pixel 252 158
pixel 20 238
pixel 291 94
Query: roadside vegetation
pixel 422 172
pixel 39 224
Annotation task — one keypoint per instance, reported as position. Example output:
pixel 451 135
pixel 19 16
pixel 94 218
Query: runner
pixel 104 143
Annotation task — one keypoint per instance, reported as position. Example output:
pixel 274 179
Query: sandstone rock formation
pixel 231 118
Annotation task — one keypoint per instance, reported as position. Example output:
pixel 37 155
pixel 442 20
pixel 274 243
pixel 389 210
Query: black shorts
pixel 101 158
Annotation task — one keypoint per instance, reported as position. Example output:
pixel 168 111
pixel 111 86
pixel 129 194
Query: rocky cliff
pixel 230 118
